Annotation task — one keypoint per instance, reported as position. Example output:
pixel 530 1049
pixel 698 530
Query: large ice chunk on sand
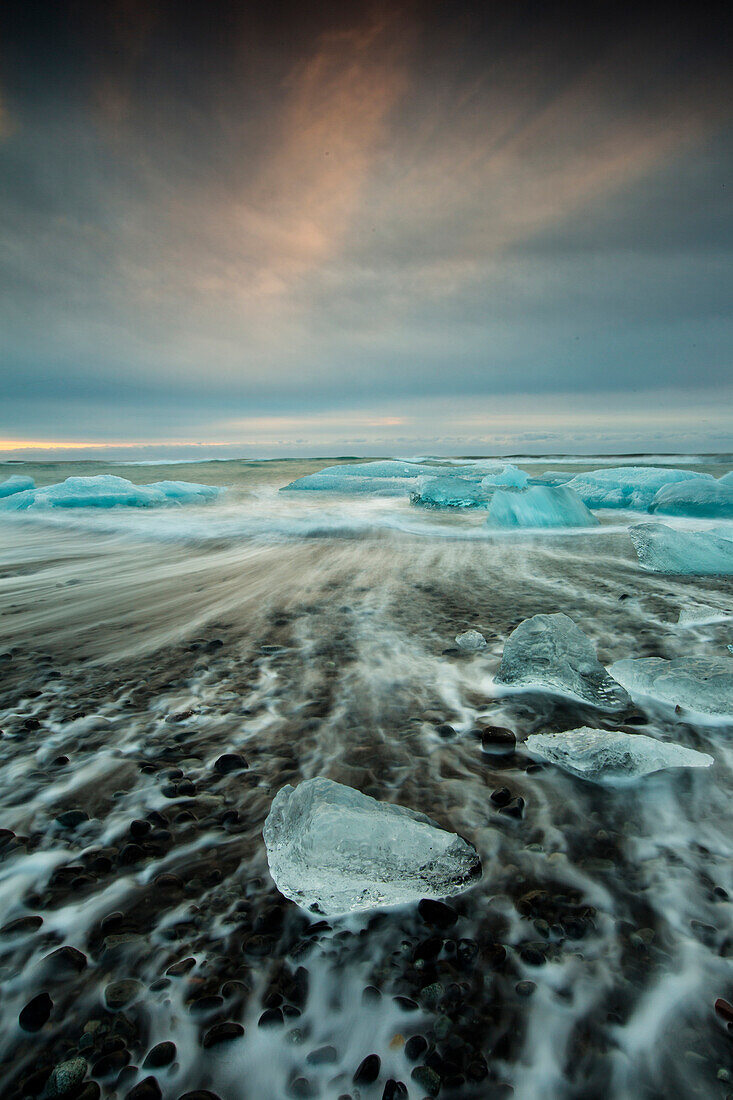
pixel 389 477
pixel 450 492
pixel 108 491
pixel 662 549
pixel 16 484
pixel 631 487
pixel 334 850
pixel 700 684
pixel 550 654
pixel 611 754
pixel 470 640
pixel 702 497
pixel 539 506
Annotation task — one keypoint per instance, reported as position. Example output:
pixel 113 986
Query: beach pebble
pixel 36 1013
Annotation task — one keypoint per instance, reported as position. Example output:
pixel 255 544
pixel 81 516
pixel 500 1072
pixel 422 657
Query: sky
pixel 375 228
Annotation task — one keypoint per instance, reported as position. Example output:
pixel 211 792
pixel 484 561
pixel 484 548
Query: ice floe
pixel 664 549
pixel 633 487
pixel 333 850
pixel 611 754
pixel 450 492
pixel 108 491
pixel 703 685
pixel 539 506
pixel 703 614
pixel 550 653
pixel 16 484
pixel 702 497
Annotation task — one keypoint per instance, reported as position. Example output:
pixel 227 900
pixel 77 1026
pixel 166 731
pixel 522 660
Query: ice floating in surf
pixel 702 497
pixel 508 477
pixel 16 484
pixel 384 478
pixel 631 487
pixel 700 684
pixel 662 549
pixel 109 491
pixel 551 654
pixel 539 506
pixel 450 492
pixel 611 754
pixel 470 640
pixel 333 850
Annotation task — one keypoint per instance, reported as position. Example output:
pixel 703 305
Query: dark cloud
pixel 213 210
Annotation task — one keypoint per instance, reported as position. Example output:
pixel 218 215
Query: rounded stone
pixel 162 1054
pixel 368 1070
pixel 36 1012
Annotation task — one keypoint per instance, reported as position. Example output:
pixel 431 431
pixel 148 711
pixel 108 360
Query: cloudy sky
pixel 374 228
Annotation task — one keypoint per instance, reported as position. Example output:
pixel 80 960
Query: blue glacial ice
pixel 333 850
pixel 663 549
pixel 449 492
pixel 600 755
pixel 702 497
pixel 703 685
pixel 703 614
pixel 16 484
pixel 507 476
pixel 632 487
pixel 383 478
pixel 108 491
pixel 539 506
pixel 551 654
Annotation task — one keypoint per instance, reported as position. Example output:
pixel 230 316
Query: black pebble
pixel 160 1055
pixel 222 1033
pixel 415 1048
pixel 148 1089
pixel 140 828
pixel 36 1012
pixel 110 1063
pixel 65 960
pixel 501 797
pixel 437 913
pixel 71 818
pixel 498 741
pixel 230 762
pixel 394 1090
pixel 368 1071
pixel 270 1018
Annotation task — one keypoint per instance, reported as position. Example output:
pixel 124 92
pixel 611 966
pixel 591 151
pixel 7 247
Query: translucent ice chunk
pixel 702 614
pixel 334 850
pixel 539 506
pixel 610 754
pixel 664 550
pixel 450 492
pixel 509 476
pixel 16 484
pixel 700 684
pixel 108 491
pixel 470 639
pixel 628 486
pixel 549 653
pixel 702 497
pixel 384 478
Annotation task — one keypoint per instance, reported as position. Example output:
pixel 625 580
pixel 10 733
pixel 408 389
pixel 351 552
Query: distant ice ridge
pixel 333 850
pixel 632 487
pixel 392 477
pixel 109 491
pixel 16 484
pixel 611 754
pixel 550 653
pixel 539 506
pixel 703 497
pixel 700 684
pixel 697 553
